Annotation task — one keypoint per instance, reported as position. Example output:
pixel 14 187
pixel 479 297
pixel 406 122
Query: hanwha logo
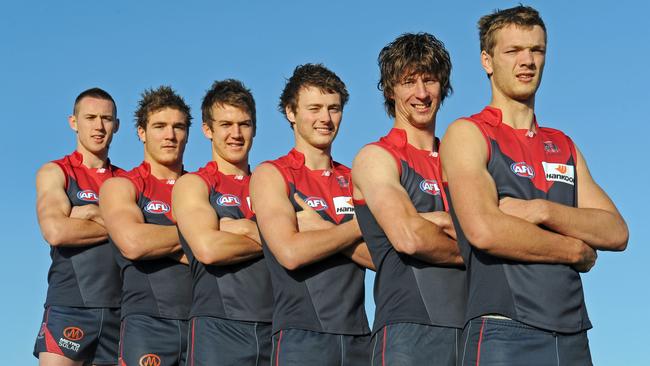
pixel 430 186
pixel 316 203
pixel 523 170
pixel 87 195
pixel 228 200
pixel 157 207
pixel 73 333
pixel 150 359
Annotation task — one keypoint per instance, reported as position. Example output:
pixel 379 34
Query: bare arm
pixel 308 220
pixel 276 219
pixel 474 194
pixel 376 180
pixel 135 239
pixel 200 226
pixel 595 221
pixel 62 225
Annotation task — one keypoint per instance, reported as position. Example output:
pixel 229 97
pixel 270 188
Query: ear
pixel 142 134
pixel 117 126
pixel 291 116
pixel 486 62
pixel 207 131
pixel 72 122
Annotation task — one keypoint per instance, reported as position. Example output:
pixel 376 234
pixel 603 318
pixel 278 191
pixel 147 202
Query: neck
pixel 315 158
pixel 420 138
pixel 93 160
pixel 516 114
pixel 228 168
pixel 160 171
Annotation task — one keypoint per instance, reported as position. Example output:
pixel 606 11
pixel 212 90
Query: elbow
pixel 619 243
pixel 208 256
pixel 480 236
pixel 289 260
pixel 54 235
pixel 129 248
pixel 406 246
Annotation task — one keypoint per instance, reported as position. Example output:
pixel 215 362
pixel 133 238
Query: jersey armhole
pixel 485 136
pixel 574 154
pixel 393 154
pixel 283 173
pixel 205 180
pixel 65 175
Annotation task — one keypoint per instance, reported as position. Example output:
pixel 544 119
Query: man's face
pixel 417 98
pixel 95 124
pixel 317 117
pixel 165 136
pixel 517 62
pixel 232 133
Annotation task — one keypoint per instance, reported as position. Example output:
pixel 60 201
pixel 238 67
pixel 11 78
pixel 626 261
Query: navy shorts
pixel 489 341
pixel 81 334
pixel 147 340
pixel 297 347
pixel 406 344
pixel 215 341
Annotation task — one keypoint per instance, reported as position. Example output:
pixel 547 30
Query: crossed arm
pixel 61 224
pixel 509 228
pixel 134 238
pixel 213 241
pixel 429 237
pixel 278 224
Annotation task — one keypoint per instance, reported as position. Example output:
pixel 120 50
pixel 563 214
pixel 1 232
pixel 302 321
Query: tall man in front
pixel 310 237
pixel 401 207
pixel 232 299
pixel 157 287
pixel 531 215
pixel 82 309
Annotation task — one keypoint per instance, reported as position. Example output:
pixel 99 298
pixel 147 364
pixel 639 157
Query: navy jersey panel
pixel 326 296
pixel 407 289
pixel 159 287
pixel 526 166
pixel 240 291
pixel 80 276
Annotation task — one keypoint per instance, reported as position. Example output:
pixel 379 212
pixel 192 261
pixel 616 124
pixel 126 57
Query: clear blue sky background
pixel 595 88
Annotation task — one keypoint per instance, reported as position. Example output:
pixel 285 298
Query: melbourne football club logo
pixel 88 195
pixel 559 173
pixel 343 205
pixel 316 203
pixel 343 182
pixel 523 170
pixel 73 333
pixel 157 207
pixel 150 359
pixel 228 200
pixel 430 186
pixel 550 147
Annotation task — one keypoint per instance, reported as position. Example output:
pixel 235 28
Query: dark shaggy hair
pixel 522 16
pixel 413 54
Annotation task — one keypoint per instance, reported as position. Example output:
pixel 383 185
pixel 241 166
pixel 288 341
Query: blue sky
pixel 595 88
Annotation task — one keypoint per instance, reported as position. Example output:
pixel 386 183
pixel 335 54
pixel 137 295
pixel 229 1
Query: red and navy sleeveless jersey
pixel 240 291
pixel 160 287
pixel 526 166
pixel 326 296
pixel 408 290
pixel 80 276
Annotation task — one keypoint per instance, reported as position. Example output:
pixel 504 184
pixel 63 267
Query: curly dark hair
pixel 411 54
pixel 311 75
pixel 154 100
pixel 229 92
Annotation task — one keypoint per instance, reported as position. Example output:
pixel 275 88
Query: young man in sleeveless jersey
pixel 310 237
pixel 81 319
pixel 401 206
pixel 531 215
pixel 232 299
pixel 157 287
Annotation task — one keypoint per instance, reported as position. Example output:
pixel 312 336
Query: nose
pixel 420 89
pixel 526 57
pixel 235 131
pixel 326 115
pixel 169 133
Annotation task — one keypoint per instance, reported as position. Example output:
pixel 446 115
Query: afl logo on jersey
pixel 316 203
pixel 523 170
pixel 430 186
pixel 157 207
pixel 228 200
pixel 87 195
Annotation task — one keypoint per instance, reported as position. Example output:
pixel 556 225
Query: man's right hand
pixel 244 227
pixel 441 219
pixel 308 218
pixel 87 212
pixel 586 257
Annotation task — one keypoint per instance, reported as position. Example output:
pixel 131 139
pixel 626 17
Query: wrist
pixel 541 209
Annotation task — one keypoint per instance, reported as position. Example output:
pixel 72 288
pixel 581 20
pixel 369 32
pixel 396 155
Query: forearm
pixel 600 229
pixel 146 241
pixel 426 241
pixel 223 248
pixel 72 232
pixel 360 255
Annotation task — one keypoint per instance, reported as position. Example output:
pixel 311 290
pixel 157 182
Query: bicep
pixel 117 201
pixel 275 214
pixel 590 195
pixel 191 207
